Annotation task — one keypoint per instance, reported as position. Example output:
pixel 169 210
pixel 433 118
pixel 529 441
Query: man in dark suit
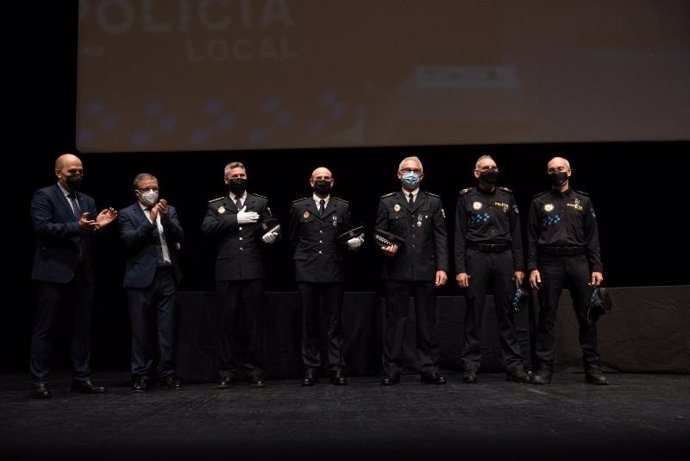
pixel 315 223
pixel 413 268
pixel 234 221
pixel 152 234
pixel 64 220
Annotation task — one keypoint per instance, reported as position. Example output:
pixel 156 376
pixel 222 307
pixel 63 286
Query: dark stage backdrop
pixel 639 190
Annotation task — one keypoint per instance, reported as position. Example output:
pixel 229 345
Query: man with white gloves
pixel 315 223
pixel 234 222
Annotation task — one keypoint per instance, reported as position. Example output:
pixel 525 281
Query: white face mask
pixel 149 198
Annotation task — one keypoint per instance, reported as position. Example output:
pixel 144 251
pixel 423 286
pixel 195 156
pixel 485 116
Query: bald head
pixel 69 166
pixel 321 173
pixel 66 159
pixel 558 163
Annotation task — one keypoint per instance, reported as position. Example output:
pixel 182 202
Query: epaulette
pixel 390 194
pixel 432 194
pixel 510 191
pixel 465 190
pixel 216 199
pixel 258 195
pixel 340 199
pixel 581 192
pixel 301 199
pixel 540 194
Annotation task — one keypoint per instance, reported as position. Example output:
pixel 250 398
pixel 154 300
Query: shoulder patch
pixel 465 190
pixel 258 195
pixel 432 194
pixel 581 192
pixel 215 199
pixel 390 194
pixel 505 189
pixel 300 199
pixel 340 199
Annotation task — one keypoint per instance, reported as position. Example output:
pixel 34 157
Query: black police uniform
pixel 239 283
pixel 563 244
pixel 412 272
pixel 488 247
pixel 319 273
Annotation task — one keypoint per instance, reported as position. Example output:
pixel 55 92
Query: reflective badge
pixel 306 214
pixel 396 208
pixel 419 220
pixel 221 210
pixel 477 205
pixel 548 207
pixel 335 220
pixel 443 212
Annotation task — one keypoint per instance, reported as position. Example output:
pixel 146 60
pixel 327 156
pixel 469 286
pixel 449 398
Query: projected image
pixel 158 75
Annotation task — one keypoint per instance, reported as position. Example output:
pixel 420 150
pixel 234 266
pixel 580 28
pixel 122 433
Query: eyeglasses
pixel 155 189
pixel 411 170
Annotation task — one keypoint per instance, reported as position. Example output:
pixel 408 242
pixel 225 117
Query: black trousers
pixel 77 295
pixel 557 273
pixel 153 317
pixel 322 303
pixel 241 305
pixel 490 271
pixel 397 295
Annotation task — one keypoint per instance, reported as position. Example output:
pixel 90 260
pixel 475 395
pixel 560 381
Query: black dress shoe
pixel 257 382
pixel 434 378
pixel 170 382
pixel 469 377
pixel 226 382
pixel 310 378
pixel 87 387
pixel 390 380
pixel 338 378
pixel 140 385
pixel 541 377
pixel 40 391
pixel 519 376
pixel 595 377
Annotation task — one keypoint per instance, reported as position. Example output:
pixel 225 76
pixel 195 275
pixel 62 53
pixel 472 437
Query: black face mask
pixel 489 176
pixel 238 185
pixel 557 178
pixel 74 181
pixel 322 186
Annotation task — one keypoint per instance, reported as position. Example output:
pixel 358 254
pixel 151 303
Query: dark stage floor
pixel 637 416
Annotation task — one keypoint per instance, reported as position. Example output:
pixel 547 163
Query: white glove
pixel 355 242
pixel 247 217
pixel 270 237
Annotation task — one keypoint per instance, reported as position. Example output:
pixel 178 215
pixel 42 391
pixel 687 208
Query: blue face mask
pixel 410 180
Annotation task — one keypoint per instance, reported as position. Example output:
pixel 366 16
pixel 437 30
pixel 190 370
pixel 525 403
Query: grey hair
pixel 414 158
pixel 142 176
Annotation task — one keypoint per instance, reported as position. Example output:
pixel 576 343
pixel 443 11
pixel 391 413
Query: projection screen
pixel 194 75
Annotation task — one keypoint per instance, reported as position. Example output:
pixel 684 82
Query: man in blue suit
pixel 64 220
pixel 152 234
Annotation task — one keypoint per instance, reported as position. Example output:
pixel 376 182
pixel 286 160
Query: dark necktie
pixel 72 197
pixel 322 206
pixel 238 203
pixel 410 200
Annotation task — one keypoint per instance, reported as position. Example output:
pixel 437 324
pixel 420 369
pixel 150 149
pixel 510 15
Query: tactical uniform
pixel 239 283
pixel 488 247
pixel 412 272
pixel 563 244
pixel 319 273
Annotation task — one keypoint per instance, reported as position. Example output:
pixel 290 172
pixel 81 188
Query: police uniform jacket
pixel 318 257
pixel 562 224
pixel 423 227
pixel 238 247
pixel 488 221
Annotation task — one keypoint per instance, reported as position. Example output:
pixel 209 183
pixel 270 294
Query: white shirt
pixel 165 253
